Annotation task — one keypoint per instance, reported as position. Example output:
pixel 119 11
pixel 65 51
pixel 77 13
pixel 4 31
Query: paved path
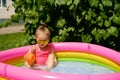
pixel 11 29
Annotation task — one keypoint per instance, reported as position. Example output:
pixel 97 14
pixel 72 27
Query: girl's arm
pixel 52 61
pixel 55 57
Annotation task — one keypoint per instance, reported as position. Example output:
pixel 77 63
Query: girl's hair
pixel 44 29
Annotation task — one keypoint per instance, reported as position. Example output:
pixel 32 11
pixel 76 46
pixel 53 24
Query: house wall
pixel 4 14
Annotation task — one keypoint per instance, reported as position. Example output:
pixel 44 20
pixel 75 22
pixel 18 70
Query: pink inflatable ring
pixel 18 73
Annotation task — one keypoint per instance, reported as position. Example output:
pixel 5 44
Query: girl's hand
pixel 26 64
pixel 55 61
pixel 30 59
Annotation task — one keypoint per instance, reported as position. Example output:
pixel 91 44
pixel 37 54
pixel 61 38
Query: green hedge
pixel 92 21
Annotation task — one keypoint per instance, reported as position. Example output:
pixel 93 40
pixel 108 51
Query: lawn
pixel 8 41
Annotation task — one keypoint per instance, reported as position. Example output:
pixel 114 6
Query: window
pixel 2 3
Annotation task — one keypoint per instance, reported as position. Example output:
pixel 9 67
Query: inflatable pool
pixel 66 51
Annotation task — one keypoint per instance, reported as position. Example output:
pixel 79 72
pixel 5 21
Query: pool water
pixel 72 67
pixel 80 68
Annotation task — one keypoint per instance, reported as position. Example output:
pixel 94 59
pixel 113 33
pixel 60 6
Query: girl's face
pixel 42 39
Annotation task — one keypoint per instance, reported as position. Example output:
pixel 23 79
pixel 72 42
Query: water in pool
pixel 80 68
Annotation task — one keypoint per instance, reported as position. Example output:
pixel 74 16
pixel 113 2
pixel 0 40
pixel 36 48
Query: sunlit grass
pixel 8 41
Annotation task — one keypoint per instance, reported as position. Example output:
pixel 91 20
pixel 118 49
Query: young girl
pixel 41 54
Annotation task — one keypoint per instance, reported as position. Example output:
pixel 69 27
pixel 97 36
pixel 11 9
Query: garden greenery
pixel 91 21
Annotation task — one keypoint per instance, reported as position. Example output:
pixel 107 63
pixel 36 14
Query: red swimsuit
pixel 42 56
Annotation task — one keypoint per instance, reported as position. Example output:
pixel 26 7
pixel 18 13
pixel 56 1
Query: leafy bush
pixel 5 23
pixel 92 21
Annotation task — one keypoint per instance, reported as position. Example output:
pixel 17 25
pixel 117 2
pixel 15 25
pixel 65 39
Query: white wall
pixel 4 14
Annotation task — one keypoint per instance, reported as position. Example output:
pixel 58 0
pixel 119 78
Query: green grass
pixel 8 41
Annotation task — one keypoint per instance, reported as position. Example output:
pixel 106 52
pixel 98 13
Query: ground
pixel 12 29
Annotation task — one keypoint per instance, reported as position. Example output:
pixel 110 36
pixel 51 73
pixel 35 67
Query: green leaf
pixel 93 3
pixel 84 12
pixel 100 23
pixel 105 36
pixel 48 18
pixel 60 23
pixel 116 19
pixel 103 15
pixel 29 21
pixel 117 6
pixel 98 34
pixel 50 1
pixel 107 23
pixel 107 2
pixel 91 13
pixel 69 2
pixel 60 2
pixel 101 7
pixel 62 38
pixel 113 31
pixel 78 19
pixel 70 29
pixel 86 38
pixel 28 1
pixel 76 2
pixel 101 31
pixel 63 32
pixel 55 38
pixel 99 18
pixel 72 7
pixel 88 17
